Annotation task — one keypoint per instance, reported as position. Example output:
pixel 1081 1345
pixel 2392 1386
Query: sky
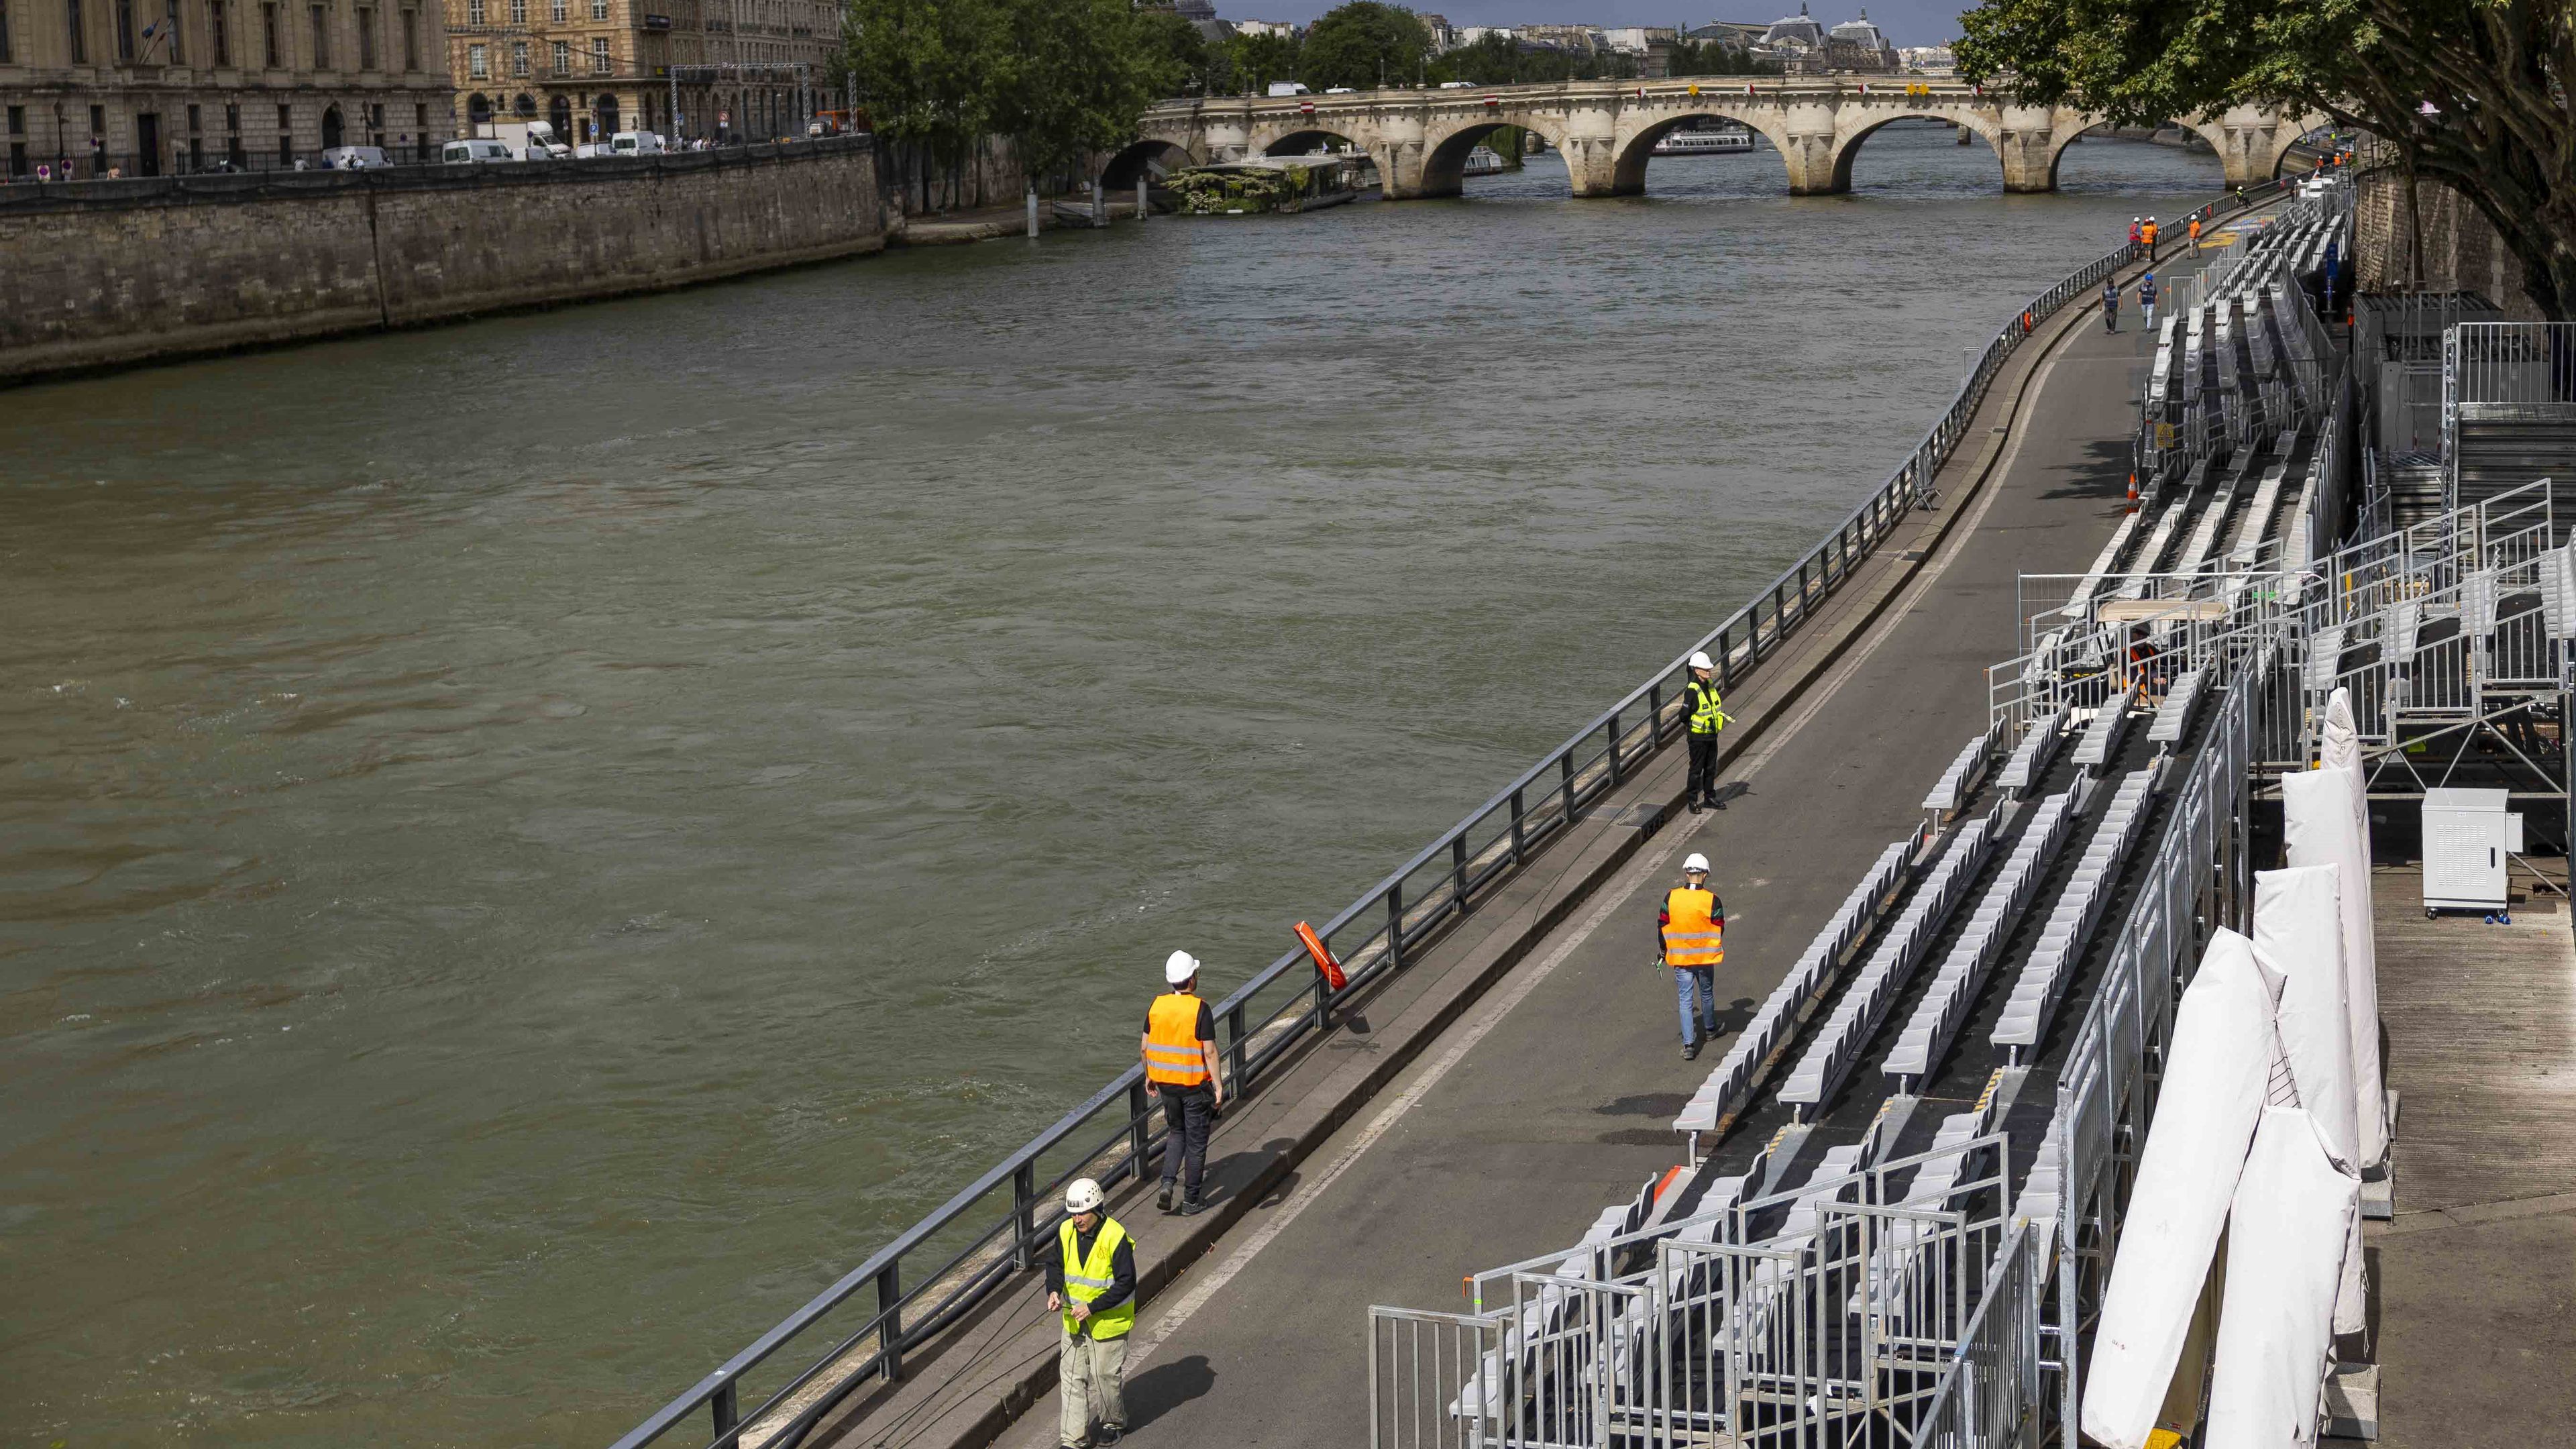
pixel 1907 22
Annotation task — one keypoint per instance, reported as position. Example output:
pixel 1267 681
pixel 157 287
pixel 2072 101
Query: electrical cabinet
pixel 2468 836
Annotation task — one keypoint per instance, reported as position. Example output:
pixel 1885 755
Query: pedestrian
pixel 2147 301
pixel 2195 236
pixel 1706 719
pixel 1692 926
pixel 2148 235
pixel 1180 1061
pixel 1091 1281
pixel 2133 235
pixel 2110 305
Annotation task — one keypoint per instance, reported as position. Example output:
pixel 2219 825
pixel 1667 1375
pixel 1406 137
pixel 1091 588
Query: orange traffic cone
pixel 2133 491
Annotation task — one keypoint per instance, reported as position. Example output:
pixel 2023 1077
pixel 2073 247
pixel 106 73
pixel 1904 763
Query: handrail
pixel 1541 803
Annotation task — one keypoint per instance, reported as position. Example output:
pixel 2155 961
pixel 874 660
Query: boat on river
pixel 1486 161
pixel 1260 184
pixel 1703 143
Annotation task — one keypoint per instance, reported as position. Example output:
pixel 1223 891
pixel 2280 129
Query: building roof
pixel 1800 27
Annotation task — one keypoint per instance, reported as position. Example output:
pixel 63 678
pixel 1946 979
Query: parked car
pixel 1289 88
pixel 1341 90
pixel 352 158
pixel 635 143
pixel 1457 85
pixel 474 153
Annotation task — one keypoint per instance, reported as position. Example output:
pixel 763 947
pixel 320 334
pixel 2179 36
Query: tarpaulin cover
pixel 2286 1242
pixel 2298 931
pixel 2213 1095
pixel 2323 827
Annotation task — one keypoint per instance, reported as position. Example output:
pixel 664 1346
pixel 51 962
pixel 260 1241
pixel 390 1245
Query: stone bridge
pixel 1607 129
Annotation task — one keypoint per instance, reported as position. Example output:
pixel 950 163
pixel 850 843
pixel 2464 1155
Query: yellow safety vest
pixel 1706 718
pixel 1692 935
pixel 1088 1278
pixel 1172 1041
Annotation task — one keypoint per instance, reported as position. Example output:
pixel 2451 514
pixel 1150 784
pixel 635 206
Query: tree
pixel 1715 57
pixel 1254 61
pixel 1492 59
pixel 1176 56
pixel 2471 94
pixel 925 67
pixel 1364 44
pixel 1077 79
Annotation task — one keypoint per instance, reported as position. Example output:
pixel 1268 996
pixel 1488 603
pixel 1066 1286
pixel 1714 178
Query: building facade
pixel 156 87
pixel 689 69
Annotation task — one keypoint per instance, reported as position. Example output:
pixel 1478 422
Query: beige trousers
pixel 1088 1374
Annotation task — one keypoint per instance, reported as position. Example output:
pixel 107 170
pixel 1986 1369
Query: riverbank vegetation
pixel 2473 95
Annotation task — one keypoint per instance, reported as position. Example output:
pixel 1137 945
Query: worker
pixel 1706 719
pixel 1091 1281
pixel 2147 300
pixel 2147 234
pixel 1180 1062
pixel 1693 927
pixel 2110 304
pixel 2136 229
pixel 2194 234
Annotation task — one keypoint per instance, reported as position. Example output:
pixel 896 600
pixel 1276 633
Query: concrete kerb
pixel 1297 1127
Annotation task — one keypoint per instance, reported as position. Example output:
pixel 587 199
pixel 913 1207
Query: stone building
pixel 152 87
pixel 732 69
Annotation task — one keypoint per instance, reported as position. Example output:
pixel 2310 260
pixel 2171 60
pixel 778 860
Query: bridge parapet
pixel 1606 130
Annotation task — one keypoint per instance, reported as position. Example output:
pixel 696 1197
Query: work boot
pixel 1111 1434
pixel 1690 1051
pixel 1693 802
pixel 1191 1207
pixel 1163 1199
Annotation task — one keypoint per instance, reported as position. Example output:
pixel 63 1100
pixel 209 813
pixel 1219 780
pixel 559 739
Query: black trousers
pixel 1187 1111
pixel 1703 768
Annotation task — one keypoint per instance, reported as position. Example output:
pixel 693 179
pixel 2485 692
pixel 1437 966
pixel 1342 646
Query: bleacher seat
pixel 2044 977
pixel 1937 1017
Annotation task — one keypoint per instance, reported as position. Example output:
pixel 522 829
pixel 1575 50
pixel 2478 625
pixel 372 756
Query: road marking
pixel 1612 899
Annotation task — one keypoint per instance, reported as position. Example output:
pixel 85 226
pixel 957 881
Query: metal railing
pixel 1990 1398
pixel 2509 370
pixel 989 1230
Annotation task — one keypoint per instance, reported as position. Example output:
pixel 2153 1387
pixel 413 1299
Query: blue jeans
pixel 1704 980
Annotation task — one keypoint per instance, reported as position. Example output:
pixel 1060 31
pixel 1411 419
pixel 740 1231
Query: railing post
pixel 1395 924
pixel 1565 768
pixel 1024 1210
pixel 1725 660
pixel 728 1410
pixel 890 1319
pixel 1616 772
pixel 1655 711
pixel 1458 873
pixel 1234 1047
pixel 1140 1124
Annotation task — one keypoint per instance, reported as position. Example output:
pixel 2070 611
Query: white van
pixel 1289 88
pixel 353 158
pixel 472 153
pixel 635 143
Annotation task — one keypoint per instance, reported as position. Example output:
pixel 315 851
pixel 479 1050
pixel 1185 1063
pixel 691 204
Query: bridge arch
pixel 1445 147
pixel 1141 160
pixel 1628 168
pixel 1986 128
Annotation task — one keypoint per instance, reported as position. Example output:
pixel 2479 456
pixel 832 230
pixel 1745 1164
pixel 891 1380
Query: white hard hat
pixel 1082 1197
pixel 1696 862
pixel 1180 966
pixel 1701 661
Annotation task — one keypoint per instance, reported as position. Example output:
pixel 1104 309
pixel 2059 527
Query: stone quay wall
pixel 2461 250
pixel 103 273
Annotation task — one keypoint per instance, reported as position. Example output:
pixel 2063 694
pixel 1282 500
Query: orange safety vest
pixel 2150 233
pixel 1172 1041
pixel 1692 936
pixel 2195 228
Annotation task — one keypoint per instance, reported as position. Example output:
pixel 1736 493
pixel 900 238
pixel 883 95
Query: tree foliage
pixel 2473 93
pixel 1252 62
pixel 1716 57
pixel 1494 59
pixel 1364 44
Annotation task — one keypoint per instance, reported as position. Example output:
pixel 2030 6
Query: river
pixel 528 847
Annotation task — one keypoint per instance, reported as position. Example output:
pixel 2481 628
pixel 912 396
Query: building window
pixel 222 30
pixel 125 29
pixel 563 57
pixel 321 37
pixel 474 13
pixel 4 32
pixel 599 9
pixel 478 64
pixel 285 135
pixel 560 6
pixel 366 38
pixel 599 55
pixel 170 28
pixel 518 12
pixel 518 57
pixel 79 31
pixel 411 40
pixel 268 35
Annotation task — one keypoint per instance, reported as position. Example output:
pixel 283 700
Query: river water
pixel 528 847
